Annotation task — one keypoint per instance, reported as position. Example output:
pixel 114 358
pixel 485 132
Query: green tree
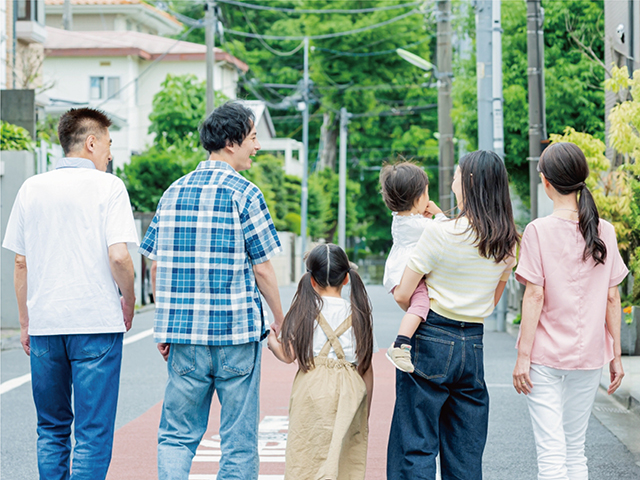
pixel 573 81
pixel 366 85
pixel 179 108
pixel 616 191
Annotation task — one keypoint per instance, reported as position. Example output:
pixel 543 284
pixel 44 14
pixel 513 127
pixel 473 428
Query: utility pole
pixel 445 125
pixel 210 41
pixel 484 73
pixel 67 16
pixel 537 117
pixel 490 111
pixel 305 157
pixel 342 205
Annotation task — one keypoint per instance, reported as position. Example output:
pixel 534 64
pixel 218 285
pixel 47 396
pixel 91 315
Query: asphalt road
pixel 510 452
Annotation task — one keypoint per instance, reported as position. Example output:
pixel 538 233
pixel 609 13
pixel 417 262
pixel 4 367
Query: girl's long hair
pixel 565 167
pixel 328 265
pixel 487 204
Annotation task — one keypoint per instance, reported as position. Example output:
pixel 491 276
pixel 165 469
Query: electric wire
pixel 326 35
pixel 339 53
pixel 319 11
pixel 265 44
pixel 151 65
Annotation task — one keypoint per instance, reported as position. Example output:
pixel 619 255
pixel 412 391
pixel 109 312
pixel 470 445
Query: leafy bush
pixel 616 191
pixel 14 138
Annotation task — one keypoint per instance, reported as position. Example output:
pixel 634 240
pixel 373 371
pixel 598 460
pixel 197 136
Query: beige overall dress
pixel 328 426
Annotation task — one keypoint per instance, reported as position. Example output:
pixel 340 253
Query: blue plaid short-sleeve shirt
pixel 211 227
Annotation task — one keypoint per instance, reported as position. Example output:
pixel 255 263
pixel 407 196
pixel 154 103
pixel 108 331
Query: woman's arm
pixel 613 319
pixel 408 283
pixel 368 381
pixel 276 347
pixel 532 303
pixel 499 291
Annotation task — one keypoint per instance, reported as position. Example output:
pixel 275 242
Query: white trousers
pixel 560 405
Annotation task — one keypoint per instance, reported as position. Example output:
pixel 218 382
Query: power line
pixel 326 35
pixel 265 44
pixel 318 11
pixel 339 53
pixel 153 64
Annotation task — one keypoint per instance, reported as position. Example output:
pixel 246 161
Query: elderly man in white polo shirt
pixel 69 229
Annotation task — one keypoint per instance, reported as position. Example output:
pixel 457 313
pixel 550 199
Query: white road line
pixel 14 383
pixel 19 381
pixel 138 336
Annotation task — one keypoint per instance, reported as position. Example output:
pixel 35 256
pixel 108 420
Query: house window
pixel 97 90
pixel 27 10
pixel 113 87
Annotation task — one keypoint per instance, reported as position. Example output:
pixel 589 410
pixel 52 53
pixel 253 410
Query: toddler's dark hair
pixel 402 185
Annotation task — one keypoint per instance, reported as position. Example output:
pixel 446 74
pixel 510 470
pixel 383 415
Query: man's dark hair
pixel 228 124
pixel 402 185
pixel 78 123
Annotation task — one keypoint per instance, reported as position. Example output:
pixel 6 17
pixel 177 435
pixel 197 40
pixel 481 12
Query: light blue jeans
pixel 195 372
pixel 90 364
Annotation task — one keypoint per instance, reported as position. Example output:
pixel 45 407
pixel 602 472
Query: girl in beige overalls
pixel 332 339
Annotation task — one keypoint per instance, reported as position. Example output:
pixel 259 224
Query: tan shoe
pixel 401 357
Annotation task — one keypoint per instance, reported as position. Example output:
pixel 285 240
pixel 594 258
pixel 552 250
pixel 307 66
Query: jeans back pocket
pixel 432 356
pixel 39 345
pixel 183 358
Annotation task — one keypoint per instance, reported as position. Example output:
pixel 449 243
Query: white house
pixel 120 72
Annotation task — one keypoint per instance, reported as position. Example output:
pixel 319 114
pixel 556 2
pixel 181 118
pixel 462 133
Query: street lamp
pixel 445 125
pixel 417 61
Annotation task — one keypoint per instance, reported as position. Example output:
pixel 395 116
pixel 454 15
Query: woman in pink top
pixel 570 264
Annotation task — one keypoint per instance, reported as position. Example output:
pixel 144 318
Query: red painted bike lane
pixel 134 453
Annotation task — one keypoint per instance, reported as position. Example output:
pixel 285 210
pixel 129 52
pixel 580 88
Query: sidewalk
pixel 628 395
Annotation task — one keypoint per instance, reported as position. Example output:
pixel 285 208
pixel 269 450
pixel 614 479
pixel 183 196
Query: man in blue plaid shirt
pixel 211 240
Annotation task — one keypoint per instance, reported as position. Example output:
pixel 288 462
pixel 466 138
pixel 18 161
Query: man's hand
pixel 127 312
pixel 163 348
pixel 24 340
pixel 616 371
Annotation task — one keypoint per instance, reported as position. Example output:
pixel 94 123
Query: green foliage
pixel 573 81
pixel 179 108
pixel 368 85
pixel 14 138
pixel 148 175
pixel 616 191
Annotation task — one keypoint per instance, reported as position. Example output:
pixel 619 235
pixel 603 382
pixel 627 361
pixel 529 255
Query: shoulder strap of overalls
pixel 332 336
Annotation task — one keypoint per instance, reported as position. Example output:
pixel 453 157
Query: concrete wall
pixel 87 23
pixel 15 167
pixel 18 107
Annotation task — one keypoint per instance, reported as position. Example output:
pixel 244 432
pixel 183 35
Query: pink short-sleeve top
pixel 572 332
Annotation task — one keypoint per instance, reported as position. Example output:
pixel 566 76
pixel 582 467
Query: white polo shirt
pixel 63 222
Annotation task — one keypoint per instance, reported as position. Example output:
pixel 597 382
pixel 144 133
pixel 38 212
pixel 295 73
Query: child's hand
pixel 432 209
pixel 272 342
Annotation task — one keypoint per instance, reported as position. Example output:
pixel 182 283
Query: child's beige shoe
pixel 401 357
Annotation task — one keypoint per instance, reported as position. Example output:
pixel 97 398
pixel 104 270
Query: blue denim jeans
pixel 443 407
pixel 90 365
pixel 195 372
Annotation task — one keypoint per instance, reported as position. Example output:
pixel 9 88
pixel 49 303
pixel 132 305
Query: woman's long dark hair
pixel 565 167
pixel 487 204
pixel 328 265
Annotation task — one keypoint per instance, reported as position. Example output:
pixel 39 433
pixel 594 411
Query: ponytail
pixel 299 323
pixel 589 222
pixel 361 321
pixel 565 167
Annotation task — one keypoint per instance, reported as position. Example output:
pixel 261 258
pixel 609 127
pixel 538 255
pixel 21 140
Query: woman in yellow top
pixel 443 407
